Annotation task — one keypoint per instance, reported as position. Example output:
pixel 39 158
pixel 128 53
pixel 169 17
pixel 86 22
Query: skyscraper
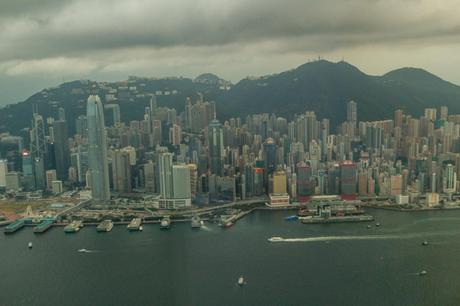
pixel 165 164
pixel 28 180
pixel 121 169
pixel 153 108
pixel 39 172
pixel 61 114
pixel 352 117
pixel 37 136
pixel 81 126
pixel 61 149
pixel 352 112
pixel 216 147
pixel 149 176
pixel 270 156
pixel 449 179
pixel 181 182
pixel 348 178
pixel 97 150
pixel 114 113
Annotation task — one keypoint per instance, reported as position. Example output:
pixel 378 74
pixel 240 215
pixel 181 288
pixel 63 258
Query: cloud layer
pixel 84 38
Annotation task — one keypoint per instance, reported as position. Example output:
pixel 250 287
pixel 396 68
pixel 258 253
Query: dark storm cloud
pixel 79 27
pixel 50 41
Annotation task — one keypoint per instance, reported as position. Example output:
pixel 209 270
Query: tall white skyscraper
pixel 97 150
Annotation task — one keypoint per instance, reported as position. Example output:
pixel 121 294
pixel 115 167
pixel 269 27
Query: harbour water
pixel 319 264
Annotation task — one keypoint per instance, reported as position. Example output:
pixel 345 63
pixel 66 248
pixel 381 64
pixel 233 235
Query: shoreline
pixel 411 209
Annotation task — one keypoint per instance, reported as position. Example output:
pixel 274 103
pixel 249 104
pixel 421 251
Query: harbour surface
pixel 321 264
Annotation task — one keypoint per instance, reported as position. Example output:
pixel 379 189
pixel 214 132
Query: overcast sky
pixel 46 42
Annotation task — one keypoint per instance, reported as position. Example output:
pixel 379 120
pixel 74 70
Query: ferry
pixel 275 239
pixel 15 226
pixel 134 225
pixel 196 222
pixel 320 219
pixel 43 226
pixel 165 223
pixel 105 226
pixel 73 227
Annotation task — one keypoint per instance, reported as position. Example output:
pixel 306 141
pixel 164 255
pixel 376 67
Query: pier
pixel 15 226
pixel 43 226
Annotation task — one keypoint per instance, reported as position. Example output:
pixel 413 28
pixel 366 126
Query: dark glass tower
pixel 216 147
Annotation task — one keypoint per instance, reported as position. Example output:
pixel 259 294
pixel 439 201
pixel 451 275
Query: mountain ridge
pixel 326 87
pixel 321 86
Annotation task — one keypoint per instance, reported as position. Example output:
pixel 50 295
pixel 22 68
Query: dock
pixel 73 227
pixel 15 226
pixel 43 226
pixel 134 225
pixel 227 221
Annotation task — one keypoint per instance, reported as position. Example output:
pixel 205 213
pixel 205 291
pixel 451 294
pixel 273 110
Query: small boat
pixel 369 227
pixel 30 245
pixel 141 228
pixel 165 223
pixel 241 281
pixel 275 239
pixel 422 273
pixel 196 221
pixel 292 218
pixel 83 251
pixel 377 224
pixel 425 243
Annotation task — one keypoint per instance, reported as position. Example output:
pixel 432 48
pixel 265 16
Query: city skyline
pixel 238 159
pixel 217 152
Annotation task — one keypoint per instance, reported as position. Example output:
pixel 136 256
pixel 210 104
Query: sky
pixel 47 42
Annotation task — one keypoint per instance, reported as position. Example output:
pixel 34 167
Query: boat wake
pixel 362 237
pixel 205 228
pixel 87 251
